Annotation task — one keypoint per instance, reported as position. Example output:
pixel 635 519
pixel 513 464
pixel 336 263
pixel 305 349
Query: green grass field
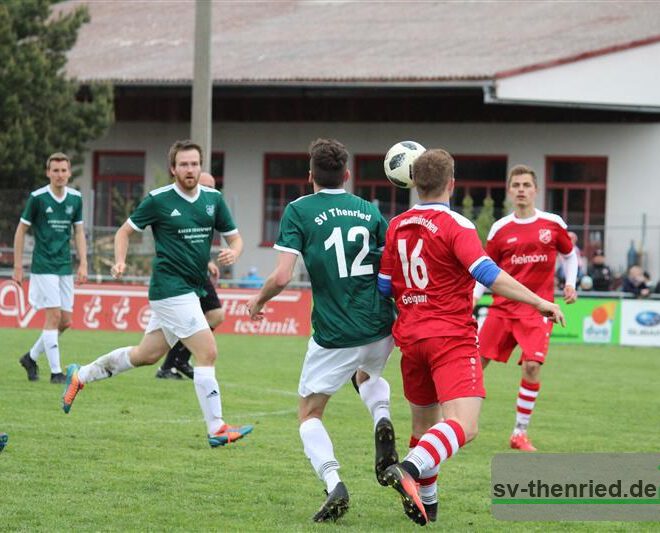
pixel 132 454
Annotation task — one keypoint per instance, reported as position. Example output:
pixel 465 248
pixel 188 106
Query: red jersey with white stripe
pixel 526 248
pixel 429 254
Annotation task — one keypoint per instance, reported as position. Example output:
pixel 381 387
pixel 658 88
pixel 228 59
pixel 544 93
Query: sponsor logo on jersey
pixel 414 299
pixel 210 210
pixel 69 210
pixel 49 209
pixel 525 259
pixel 545 236
pixel 511 239
pixel 175 213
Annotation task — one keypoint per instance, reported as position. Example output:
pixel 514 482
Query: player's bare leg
pixel 320 452
pixel 375 393
pixel 527 394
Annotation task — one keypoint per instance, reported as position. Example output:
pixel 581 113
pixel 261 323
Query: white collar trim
pixel 183 195
pixel 434 207
pixel 58 200
pixel 333 191
pixel 528 220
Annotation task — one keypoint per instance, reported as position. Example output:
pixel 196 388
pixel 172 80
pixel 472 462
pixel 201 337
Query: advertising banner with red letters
pixel 118 307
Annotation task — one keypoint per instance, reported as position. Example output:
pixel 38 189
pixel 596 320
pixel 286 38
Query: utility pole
pixel 202 86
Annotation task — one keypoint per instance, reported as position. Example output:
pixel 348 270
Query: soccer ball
pixel 398 163
pixel 586 283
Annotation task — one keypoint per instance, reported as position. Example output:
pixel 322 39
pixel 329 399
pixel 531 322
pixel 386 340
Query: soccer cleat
pixel 227 434
pixel 184 368
pixel 57 378
pixel 521 442
pixel 431 511
pixel 168 373
pixel 405 485
pixel 72 387
pixel 385 448
pixel 30 367
pixel 3 440
pixel 335 505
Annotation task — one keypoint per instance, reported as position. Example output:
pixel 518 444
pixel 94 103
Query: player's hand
pixel 17 276
pixel 82 274
pixel 552 312
pixel 117 270
pixel 255 308
pixel 214 272
pixel 227 256
pixel 570 294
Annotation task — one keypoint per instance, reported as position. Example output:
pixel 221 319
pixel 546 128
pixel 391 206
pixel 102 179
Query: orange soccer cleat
pixel 72 387
pixel 521 442
pixel 227 434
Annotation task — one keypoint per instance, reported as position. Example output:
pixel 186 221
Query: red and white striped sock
pixel 527 395
pixel 428 486
pixel 437 445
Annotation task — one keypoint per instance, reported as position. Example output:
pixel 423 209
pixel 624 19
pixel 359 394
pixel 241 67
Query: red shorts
pixel 439 369
pixel 498 337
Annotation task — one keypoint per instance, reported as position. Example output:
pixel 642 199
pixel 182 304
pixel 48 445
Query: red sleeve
pixel 564 243
pixel 493 250
pixel 467 246
pixel 387 260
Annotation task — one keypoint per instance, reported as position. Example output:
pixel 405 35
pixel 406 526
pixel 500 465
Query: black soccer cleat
pixel 58 379
pixel 335 506
pixel 30 367
pixel 385 448
pixel 4 438
pixel 183 367
pixel 168 373
pixel 405 485
pixel 431 511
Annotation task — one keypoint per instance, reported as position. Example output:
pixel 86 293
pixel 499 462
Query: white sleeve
pixel 570 267
pixel 479 290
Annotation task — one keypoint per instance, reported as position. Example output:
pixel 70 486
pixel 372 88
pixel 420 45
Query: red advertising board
pixel 126 308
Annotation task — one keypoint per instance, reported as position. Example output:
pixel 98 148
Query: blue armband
pixel 486 272
pixel 385 286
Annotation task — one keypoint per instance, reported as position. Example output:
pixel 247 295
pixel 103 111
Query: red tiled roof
pixel 328 42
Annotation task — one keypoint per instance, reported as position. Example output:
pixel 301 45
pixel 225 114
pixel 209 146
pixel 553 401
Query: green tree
pixel 468 207
pixel 41 109
pixel 485 219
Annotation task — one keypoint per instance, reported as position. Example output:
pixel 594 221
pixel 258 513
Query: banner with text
pixel 640 323
pixel 126 308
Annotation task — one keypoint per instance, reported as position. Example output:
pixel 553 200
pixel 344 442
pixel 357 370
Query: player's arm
pixel 81 250
pixel 229 255
pixel 19 241
pixel 274 284
pixel 121 249
pixel 570 272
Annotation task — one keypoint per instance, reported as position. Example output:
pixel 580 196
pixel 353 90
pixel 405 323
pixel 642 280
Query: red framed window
pixel 371 184
pixel 576 189
pixel 217 169
pixel 480 177
pixel 118 186
pixel 285 179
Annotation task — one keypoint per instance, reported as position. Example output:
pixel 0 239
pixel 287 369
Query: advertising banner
pixel 118 307
pixel 589 320
pixel 640 323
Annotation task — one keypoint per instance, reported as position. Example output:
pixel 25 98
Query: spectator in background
pixel 636 282
pixel 251 280
pixel 599 272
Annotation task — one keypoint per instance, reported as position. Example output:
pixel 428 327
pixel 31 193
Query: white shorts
pixel 51 290
pixel 178 317
pixel 326 370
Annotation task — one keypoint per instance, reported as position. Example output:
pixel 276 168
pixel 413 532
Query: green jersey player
pixel 182 216
pixel 50 213
pixel 340 238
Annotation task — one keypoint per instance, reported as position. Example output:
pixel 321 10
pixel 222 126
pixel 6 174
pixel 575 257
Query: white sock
pixel 208 394
pixel 375 394
pixel 38 348
pixel 428 480
pixel 52 349
pixel 319 451
pixel 106 366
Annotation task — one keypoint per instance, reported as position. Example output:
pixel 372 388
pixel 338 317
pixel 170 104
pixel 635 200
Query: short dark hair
pixel 432 171
pixel 57 156
pixel 327 162
pixel 519 170
pixel 183 146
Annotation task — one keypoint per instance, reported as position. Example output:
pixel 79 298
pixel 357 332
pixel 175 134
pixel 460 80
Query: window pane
pixel 597 208
pixel 576 207
pixel 217 168
pixel 585 171
pixel 480 169
pixel 370 169
pixel 279 167
pixel 555 201
pixel 121 165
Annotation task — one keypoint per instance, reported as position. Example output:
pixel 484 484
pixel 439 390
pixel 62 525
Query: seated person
pixel 636 282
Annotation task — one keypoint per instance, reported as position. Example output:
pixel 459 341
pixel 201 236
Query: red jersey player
pixel 432 256
pixel 525 244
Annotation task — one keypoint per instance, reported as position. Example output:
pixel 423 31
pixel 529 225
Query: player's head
pixel 327 163
pixel 185 159
pixel 433 173
pixel 207 180
pixel 58 169
pixel 522 186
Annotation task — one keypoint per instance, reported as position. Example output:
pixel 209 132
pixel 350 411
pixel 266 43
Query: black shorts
pixel 211 300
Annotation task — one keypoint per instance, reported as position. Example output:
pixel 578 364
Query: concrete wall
pixel 633 153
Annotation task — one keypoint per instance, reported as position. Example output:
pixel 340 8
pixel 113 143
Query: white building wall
pixel 633 153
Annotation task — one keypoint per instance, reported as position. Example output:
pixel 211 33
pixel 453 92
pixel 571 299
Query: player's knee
pixel 531 369
pixel 215 317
